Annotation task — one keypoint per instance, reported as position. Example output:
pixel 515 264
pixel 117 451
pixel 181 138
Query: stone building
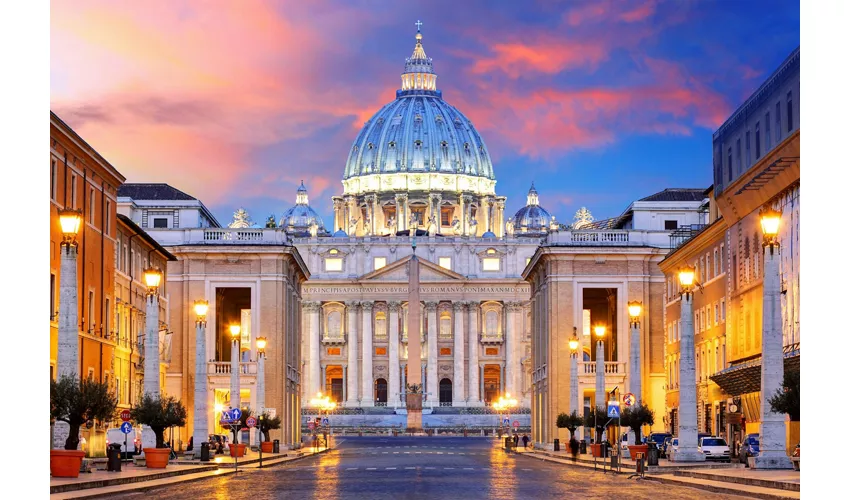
pixel 583 277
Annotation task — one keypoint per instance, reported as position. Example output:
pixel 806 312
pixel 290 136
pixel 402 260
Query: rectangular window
pixel 52 297
pixel 490 263
pixel 758 142
pixel 716 264
pixel 716 314
pixel 380 262
pixel 380 351
pixel 90 318
pixel 671 224
pixel 679 330
pixel 53 179
pixel 160 223
pixel 73 191
pixel 789 113
pixel 738 154
pixel 333 264
pixel 778 122
pixel 334 351
pixel 722 257
pixel 729 165
pixel 767 137
pixel 445 351
pixel 106 218
pixel 91 205
pixel 704 270
pixel 491 351
pixel 446 263
pixel 748 148
pixel 446 216
pixel 723 310
pixel 106 322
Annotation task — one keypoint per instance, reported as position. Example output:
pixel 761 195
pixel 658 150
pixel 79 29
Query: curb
pixel 117 481
pixel 714 488
pixel 762 483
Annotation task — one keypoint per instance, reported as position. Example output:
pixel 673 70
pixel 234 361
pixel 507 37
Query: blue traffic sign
pixel 126 428
pixel 235 414
pixel 325 421
pixel 506 421
pixel 613 410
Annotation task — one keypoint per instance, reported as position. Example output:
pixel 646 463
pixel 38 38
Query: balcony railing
pixel 223 368
pixel 220 236
pixel 334 339
pixel 491 339
pixel 610 237
pixel 611 368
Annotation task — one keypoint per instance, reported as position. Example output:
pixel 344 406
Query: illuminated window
pixel 445 351
pixel 333 264
pixel 491 351
pixel 334 251
pixel 334 351
pixel 491 263
pixel 446 263
pixel 380 351
pixel 491 251
pixel 585 323
pixel 380 262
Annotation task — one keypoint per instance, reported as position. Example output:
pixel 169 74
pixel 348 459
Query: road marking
pixel 451 453
pixel 351 468
pixel 410 468
pixel 430 468
pixel 528 469
pixel 385 453
pixel 395 453
pixel 448 468
pixel 407 453
pixel 390 468
pixel 468 468
pixel 371 468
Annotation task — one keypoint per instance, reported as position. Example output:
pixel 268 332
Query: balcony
pixel 220 236
pixel 486 339
pixel 334 339
pixel 223 368
pixel 610 238
pixel 615 371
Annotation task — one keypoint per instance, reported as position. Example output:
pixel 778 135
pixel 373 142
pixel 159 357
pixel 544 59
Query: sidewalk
pixel 133 478
pixel 718 478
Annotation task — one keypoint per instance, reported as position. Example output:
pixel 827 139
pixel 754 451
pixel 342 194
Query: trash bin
pixel 652 454
pixel 582 446
pixel 508 443
pixel 557 445
pixel 113 458
pixel 205 452
pixel 276 446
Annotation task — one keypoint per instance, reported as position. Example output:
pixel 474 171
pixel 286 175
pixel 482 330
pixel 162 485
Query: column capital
pixel 371 198
pixel 513 305
pixel 431 305
pixel 473 305
pixel 394 305
pixel 401 197
pixel 367 304
pixel 466 198
pixel 353 304
pixel 311 306
pixel 458 305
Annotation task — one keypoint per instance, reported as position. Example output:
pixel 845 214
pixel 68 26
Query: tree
pixel 572 422
pixel 596 418
pixel 267 423
pixel 636 417
pixel 77 402
pixel 787 399
pixel 159 414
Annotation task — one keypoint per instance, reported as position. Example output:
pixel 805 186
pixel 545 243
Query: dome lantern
pixel 418 69
pixel 302 219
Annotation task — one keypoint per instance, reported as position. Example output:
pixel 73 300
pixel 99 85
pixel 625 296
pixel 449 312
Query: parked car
pixel 115 435
pixel 749 448
pixel 658 438
pixel 714 448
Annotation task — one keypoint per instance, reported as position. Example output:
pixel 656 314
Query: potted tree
pixel 787 400
pixel 572 422
pixel 636 417
pixel 267 423
pixel 596 419
pixel 75 403
pixel 159 414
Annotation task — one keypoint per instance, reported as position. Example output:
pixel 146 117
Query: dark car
pixel 658 438
pixel 749 448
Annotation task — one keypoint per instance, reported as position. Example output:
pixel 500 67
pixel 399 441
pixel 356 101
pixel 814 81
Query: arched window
pixel 381 391
pixel 445 392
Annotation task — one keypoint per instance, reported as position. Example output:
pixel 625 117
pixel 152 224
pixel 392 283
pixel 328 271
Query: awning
pixel 744 376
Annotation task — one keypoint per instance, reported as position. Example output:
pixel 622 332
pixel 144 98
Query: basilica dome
pixel 416 133
pixel 299 219
pixel 532 219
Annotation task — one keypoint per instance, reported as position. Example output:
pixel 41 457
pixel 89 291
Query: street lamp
pixel 235 330
pixel 152 277
pixel 261 376
pixel 687 451
pixel 201 429
pixel 772 454
pixel 504 404
pixel 599 396
pixel 635 309
pixel 67 356
pixel 323 404
pixel 574 343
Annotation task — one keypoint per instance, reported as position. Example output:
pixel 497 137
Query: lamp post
pixel 261 377
pixel 687 451
pixel 505 404
pixel 152 277
pixel 772 454
pixel 323 404
pixel 574 343
pixel 67 357
pixel 599 396
pixel 635 310
pixel 201 429
pixel 235 330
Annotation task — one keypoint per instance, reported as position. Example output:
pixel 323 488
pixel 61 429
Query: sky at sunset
pixel 234 102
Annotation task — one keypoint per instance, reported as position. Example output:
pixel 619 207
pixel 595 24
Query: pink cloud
pixel 545 54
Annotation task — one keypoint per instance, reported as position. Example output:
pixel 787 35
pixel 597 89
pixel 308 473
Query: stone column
pixel 634 362
pixel 68 354
pixel 344 384
pixel 234 374
pixel 485 208
pixel 199 418
pixel 368 385
pixel 474 398
pixel 500 217
pixel 574 404
pixel 599 397
pixel 772 454
pixel 413 402
pixel 510 347
pixel 458 396
pixel 394 307
pixel 323 380
pixel 339 214
pixel 687 387
pixel 311 310
pixel 353 379
pixel 152 382
pixel 433 384
pixel 260 396
pixel 467 213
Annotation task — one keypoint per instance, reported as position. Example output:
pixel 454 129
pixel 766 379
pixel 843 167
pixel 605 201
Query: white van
pixel 115 435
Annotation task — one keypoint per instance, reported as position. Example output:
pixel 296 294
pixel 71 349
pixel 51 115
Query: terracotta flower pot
pixel 237 450
pixel 638 448
pixel 267 446
pixel 596 450
pixel 66 463
pixel 156 458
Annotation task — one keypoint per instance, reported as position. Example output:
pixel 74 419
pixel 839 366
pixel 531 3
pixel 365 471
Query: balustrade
pixel 611 368
pixel 223 368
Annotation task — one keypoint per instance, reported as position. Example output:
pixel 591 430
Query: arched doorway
pixel 492 383
pixel 381 392
pixel 445 392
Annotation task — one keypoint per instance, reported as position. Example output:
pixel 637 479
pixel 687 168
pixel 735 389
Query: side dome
pixel 532 219
pixel 299 219
pixel 418 132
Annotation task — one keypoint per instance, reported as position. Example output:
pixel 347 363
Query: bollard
pixel 557 445
pixel 276 446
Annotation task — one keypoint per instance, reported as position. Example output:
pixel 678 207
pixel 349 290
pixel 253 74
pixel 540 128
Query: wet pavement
pixel 421 467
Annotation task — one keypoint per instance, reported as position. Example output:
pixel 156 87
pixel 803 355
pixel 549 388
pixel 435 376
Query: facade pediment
pixel 398 271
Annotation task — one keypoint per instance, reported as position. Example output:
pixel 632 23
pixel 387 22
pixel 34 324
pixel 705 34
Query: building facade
pixel 584 276
pixel 756 165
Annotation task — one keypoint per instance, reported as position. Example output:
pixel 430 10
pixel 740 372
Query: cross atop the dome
pixel 418 24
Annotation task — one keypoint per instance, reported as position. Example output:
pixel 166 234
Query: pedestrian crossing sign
pixel 613 409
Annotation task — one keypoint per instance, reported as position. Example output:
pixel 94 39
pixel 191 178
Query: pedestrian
pixel 190 447
pixel 516 440
pixel 525 441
